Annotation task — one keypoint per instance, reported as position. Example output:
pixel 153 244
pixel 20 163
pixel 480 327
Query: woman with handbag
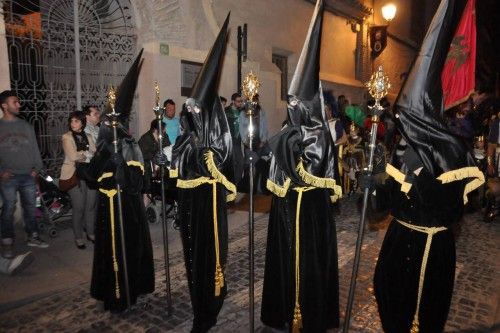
pixel 78 149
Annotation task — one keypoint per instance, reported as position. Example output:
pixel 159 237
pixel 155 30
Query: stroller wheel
pixel 153 213
pixel 175 224
pixel 42 226
pixel 53 232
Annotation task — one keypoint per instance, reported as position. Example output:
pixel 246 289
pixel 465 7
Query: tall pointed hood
pixel 420 102
pixel 203 120
pixel 303 152
pixel 123 106
pixel 126 90
pixel 305 81
pixel 206 84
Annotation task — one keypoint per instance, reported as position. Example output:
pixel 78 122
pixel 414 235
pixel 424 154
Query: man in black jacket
pixel 149 144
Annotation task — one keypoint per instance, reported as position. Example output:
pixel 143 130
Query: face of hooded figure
pixel 193 119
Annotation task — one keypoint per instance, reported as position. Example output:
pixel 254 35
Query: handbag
pixel 67 184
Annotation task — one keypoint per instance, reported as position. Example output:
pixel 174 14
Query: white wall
pixel 4 57
pixel 189 28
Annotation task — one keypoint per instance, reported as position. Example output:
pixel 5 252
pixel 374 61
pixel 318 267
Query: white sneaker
pixel 35 241
pixel 20 262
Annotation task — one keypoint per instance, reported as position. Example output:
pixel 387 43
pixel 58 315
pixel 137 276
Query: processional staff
pixel 378 87
pixel 113 117
pixel 162 161
pixel 250 88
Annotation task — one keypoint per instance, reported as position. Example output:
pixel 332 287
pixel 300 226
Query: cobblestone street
pixel 474 306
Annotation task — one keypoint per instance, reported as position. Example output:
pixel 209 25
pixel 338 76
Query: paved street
pixel 36 301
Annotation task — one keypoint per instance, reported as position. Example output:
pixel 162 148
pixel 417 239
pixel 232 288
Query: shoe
pixel 20 262
pixel 8 248
pixel 91 238
pixel 8 251
pixel 80 244
pixel 35 241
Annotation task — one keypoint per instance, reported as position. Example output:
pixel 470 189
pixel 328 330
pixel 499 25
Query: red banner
pixel 458 77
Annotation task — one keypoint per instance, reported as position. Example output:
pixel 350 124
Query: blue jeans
pixel 25 184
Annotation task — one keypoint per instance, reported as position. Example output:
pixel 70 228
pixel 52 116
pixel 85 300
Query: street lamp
pixel 389 12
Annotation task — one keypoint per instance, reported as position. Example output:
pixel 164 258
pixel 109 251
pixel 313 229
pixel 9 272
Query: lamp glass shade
pixel 389 11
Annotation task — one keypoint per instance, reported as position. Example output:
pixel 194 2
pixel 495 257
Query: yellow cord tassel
pixel 219 275
pixel 297 314
pixel 110 194
pixel 430 231
pixel 297 319
pixel 414 326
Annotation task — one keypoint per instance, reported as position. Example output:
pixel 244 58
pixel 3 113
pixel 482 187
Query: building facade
pixel 177 35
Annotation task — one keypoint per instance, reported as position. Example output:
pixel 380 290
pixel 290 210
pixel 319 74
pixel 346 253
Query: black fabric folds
pixel 136 229
pixel 301 177
pixel 431 204
pixel 205 132
pixel 197 233
pixel 319 292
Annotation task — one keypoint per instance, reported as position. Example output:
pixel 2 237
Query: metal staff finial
pixel 250 88
pixel 157 92
pixel 112 97
pixel 161 160
pixel 378 87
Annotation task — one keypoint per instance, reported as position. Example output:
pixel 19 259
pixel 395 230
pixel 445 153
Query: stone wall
pixel 189 28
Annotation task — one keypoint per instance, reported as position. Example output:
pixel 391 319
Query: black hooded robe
pixel 301 285
pixel 428 203
pixel 296 189
pixel 203 192
pixel 129 173
pixel 319 289
pixel 199 155
pixel 196 216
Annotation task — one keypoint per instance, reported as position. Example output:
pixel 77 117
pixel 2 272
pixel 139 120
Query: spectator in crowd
pixel 339 138
pixel 390 126
pixel 20 162
pixel 17 264
pixel 492 168
pixel 233 119
pixel 78 147
pixel 149 144
pixel 223 101
pixel 337 130
pixel 172 125
pixel 93 117
pixel 342 104
pixel 461 124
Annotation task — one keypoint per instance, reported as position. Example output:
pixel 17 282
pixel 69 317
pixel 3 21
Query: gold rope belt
pixel 110 194
pixel 297 314
pixel 430 231
pixel 181 183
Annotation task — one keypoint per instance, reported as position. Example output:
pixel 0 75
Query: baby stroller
pixel 153 210
pixel 51 204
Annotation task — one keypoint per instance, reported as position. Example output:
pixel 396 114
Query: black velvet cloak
pixel 199 155
pixel 415 270
pixel 427 203
pixel 301 273
pixel 106 285
pixel 105 171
